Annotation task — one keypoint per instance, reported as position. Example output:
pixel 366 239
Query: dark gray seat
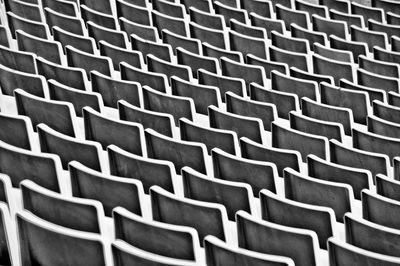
pixel 16 130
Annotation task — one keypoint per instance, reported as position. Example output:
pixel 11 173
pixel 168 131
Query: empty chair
pixel 393 98
pixel 216 52
pixel 342 6
pixel 111 191
pixel 270 238
pixel 89 14
pixel 241 106
pixel 334 68
pixel 298 73
pixel 244 126
pixel 290 16
pixel 69 23
pixel 341 253
pixel 146 234
pixel 311 8
pixel 386 55
pixel 374 162
pixel 310 35
pixel 16 130
pixel 160 122
pixel 213 138
pixel 330 130
pixel 160 50
pixel 350 19
pixel 234 196
pixel 196 62
pixel 18 60
pixel 247 44
pixel 356 48
pixel 229 12
pixel 74 213
pixel 367 78
pixel 300 87
pixel 155 64
pixel 12 79
pixel 389 29
pixel 154 80
pixel 293 59
pixel 357 101
pixel 393 18
pixel 300 215
pixel 373 93
pixel 282 158
pixel 258 174
pixel 176 25
pixel 126 135
pixel 66 7
pixel 329 26
pixel 88 62
pixel 328 113
pixel 335 54
pixel 202 95
pixel 383 127
pixel 371 38
pixel 133 12
pixel 143 31
pixel 249 73
pixel 357 178
pixel 70 76
pixel 100 33
pixel 125 254
pixel 367 12
pixel 207 218
pixel 113 90
pixel 35 28
pixel 47 243
pixel 188 44
pixel 359 232
pixel 180 153
pixel 205 34
pixel 269 24
pixel 283 101
pixel 251 31
pixel 387 187
pixel 268 65
pixel 224 83
pixel 219 253
pixel 103 6
pixel 206 19
pixel 25 10
pixel 57 115
pixel 376 143
pixel 298 45
pixel 385 111
pixel 69 148
pixel 85 44
pixel 301 188
pixel 78 98
pixel 379 209
pixel 285 138
pixel 379 67
pixel 149 171
pixel 43 169
pixel 169 8
pixel 175 105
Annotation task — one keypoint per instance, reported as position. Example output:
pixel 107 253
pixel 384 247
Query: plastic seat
pixel 292 59
pixel 158 65
pixel 357 178
pixel 196 62
pixel 69 23
pixel 16 130
pixel 367 12
pixel 113 37
pixel 373 80
pixel 149 171
pixel 18 60
pixel 290 16
pixel 146 32
pixel 329 26
pixel 111 191
pixel 70 149
pixel 160 50
pixel 85 44
pixel 119 55
pixel 209 35
pixel 58 115
pixel 333 68
pixel 38 239
pixel 100 18
pixel 176 25
pixel 188 44
pixel 312 8
pixel 35 28
pixel 300 87
pixel 134 13
pixel 126 135
pixel 310 35
pixel 356 48
pixel 207 19
pixel 247 44
pixel 268 65
pixel 229 12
